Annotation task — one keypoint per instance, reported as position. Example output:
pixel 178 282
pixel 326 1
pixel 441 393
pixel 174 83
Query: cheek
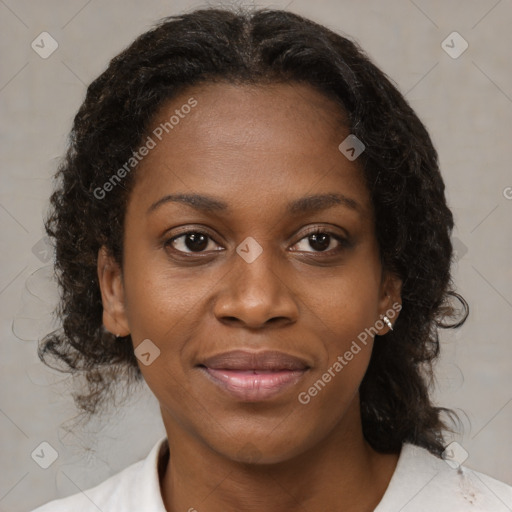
pixel 161 308
pixel 345 310
pixel 160 301
pixel 347 342
pixel 353 323
pixel 347 345
pixel 347 304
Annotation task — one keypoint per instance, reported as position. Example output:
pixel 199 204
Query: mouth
pixel 253 377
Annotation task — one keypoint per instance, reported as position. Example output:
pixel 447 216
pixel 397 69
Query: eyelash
pixel 343 242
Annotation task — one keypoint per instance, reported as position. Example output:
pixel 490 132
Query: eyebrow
pixel 309 204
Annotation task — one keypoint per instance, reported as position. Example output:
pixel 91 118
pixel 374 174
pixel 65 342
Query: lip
pixel 254 376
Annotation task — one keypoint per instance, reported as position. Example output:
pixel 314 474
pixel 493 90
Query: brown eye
pixel 192 241
pixel 321 241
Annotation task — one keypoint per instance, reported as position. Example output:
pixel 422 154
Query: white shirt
pixel 421 482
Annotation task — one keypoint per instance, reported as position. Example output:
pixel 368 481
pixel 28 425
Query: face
pixel 247 305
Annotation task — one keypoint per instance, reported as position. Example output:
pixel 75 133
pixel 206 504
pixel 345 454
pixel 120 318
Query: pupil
pixel 196 241
pixel 320 240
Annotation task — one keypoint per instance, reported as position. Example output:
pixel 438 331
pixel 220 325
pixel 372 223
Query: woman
pixel 251 219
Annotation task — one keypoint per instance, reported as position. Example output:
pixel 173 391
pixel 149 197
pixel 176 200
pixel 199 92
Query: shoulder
pixel 423 482
pixel 136 488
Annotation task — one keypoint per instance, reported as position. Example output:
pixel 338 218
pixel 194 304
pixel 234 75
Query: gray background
pixel 466 103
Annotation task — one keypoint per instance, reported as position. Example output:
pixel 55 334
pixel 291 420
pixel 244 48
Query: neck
pixel 342 472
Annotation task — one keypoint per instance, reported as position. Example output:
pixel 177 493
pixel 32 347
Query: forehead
pixel 225 113
pixel 249 143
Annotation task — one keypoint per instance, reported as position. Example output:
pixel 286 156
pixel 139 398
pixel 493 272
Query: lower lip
pixel 253 387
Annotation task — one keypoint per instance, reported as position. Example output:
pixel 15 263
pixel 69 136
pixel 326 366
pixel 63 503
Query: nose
pixel 256 294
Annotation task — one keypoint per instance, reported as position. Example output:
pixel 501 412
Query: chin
pixel 259 451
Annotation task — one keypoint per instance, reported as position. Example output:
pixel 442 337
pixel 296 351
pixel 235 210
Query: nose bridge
pixel 256 266
pixel 255 290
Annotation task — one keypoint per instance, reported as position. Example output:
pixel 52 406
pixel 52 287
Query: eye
pixel 322 241
pixel 198 242
pixel 190 242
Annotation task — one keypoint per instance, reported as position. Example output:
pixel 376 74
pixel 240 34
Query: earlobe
pixel 112 294
pixel 391 302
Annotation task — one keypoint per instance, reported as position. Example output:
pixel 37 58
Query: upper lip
pixel 269 360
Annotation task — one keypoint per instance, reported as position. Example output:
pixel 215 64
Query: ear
pixel 112 294
pixel 390 301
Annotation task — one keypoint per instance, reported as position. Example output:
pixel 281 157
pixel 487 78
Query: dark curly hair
pixel 400 165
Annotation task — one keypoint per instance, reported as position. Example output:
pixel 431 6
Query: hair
pixel 413 223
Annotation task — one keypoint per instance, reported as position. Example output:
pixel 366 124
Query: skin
pixel 256 148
